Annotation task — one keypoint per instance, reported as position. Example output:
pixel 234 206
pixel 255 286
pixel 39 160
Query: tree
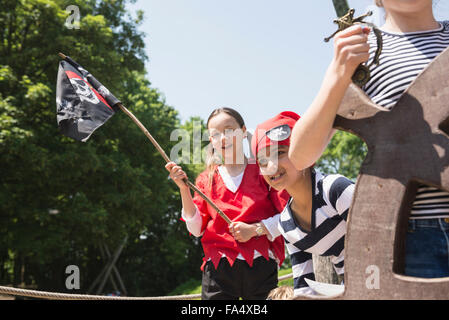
pixel 59 198
pixel 344 155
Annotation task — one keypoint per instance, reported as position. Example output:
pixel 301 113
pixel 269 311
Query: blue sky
pixel 259 57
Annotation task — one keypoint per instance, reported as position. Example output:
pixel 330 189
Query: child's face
pixel 276 168
pixel 226 137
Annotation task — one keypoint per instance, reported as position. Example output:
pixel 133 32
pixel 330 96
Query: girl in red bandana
pixel 240 260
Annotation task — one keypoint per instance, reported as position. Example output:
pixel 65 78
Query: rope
pixel 66 296
pixel 287 276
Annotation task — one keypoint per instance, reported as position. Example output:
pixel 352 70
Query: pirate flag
pixel 83 104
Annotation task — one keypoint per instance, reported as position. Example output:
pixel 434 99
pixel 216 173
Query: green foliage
pixel 60 198
pixel 286 282
pixel 344 155
pixel 192 137
pixel 193 286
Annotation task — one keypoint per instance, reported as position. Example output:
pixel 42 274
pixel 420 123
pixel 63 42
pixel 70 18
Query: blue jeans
pixel 427 248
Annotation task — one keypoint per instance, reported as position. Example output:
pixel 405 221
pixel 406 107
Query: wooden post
pixel 106 271
pixel 103 255
pixel 324 270
pixel 111 264
pixel 116 273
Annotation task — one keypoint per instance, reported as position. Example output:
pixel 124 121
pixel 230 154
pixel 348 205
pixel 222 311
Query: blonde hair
pixel 213 159
pixel 281 293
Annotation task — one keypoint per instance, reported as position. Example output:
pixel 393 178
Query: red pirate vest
pixel 252 202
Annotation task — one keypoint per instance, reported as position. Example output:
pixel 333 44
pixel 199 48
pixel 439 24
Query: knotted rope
pixel 11 291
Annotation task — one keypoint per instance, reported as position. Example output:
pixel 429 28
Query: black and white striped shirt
pixel 332 196
pixel 403 57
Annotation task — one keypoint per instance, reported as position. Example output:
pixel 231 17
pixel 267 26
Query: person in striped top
pixel 411 39
pixel 404 56
pixel 314 219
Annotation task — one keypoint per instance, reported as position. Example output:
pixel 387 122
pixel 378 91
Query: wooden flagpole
pixel 164 155
pixel 167 159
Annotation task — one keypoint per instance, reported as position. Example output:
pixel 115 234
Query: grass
pixel 193 286
pixel 286 282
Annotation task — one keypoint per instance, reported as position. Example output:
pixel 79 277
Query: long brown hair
pixel 212 159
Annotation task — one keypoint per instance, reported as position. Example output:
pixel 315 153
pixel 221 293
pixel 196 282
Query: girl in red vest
pixel 240 260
